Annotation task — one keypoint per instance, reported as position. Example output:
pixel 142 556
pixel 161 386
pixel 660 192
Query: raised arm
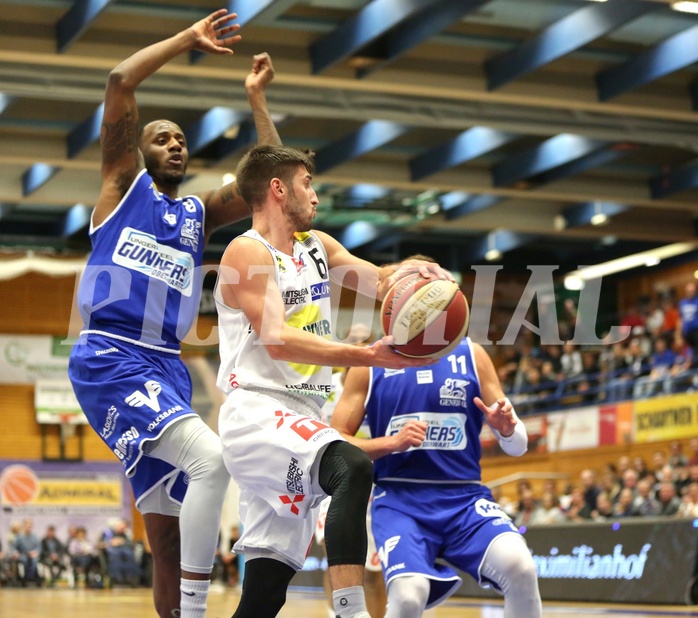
pixel 119 135
pixel 369 279
pixel 225 205
pixel 247 283
pixel 349 414
pixel 496 407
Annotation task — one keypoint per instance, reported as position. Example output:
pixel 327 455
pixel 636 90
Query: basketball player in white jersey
pixel 276 358
pixel 138 298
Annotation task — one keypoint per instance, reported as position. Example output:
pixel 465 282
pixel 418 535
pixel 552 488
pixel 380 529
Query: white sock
pixel 350 602
pixel 193 597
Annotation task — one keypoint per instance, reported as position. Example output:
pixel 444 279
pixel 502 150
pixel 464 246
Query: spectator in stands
pixel 633 318
pixel 53 556
pixel 669 503
pixel 640 466
pixel 230 559
pixel 623 465
pixel 660 364
pixel 83 557
pixel 658 462
pixel 604 508
pixel 655 318
pixel 688 312
pixel 681 375
pixel 693 457
pixel 587 478
pixel 614 376
pixel 579 509
pixel 120 556
pixel 689 503
pixel 28 548
pixel 530 512
pixel 610 482
pixel 624 506
pixel 551 511
pixel 644 503
pixel 630 479
pixel 571 361
pixel 671 317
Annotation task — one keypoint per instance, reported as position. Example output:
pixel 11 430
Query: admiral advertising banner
pixel 62 495
pixel 646 561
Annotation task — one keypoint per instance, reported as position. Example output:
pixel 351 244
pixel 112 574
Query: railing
pixel 517 476
pixel 602 387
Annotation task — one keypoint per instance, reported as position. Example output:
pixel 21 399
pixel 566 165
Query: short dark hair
pixel 262 163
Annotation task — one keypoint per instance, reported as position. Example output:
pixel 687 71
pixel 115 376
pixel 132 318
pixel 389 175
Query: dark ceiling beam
pixel 593 160
pixel 583 214
pixel 212 126
pixel 552 153
pixel 672 54
pixel 247 135
pixel 472 204
pixel 79 18
pixel 251 11
pixel 37 176
pixel 370 23
pixel 674 181
pixel 360 195
pixel 76 221
pixel 85 134
pixel 413 31
pixel 370 136
pixel 563 37
pixel 469 145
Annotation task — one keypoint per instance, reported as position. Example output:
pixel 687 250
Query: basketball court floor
pixel 67 603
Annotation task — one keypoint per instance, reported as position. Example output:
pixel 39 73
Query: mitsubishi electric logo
pixel 138 398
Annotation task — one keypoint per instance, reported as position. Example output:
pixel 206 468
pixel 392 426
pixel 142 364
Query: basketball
pixel 427 318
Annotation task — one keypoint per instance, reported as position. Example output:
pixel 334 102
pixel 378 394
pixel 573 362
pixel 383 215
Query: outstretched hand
pixel 428 270
pixel 499 416
pixel 386 356
pixel 261 74
pixel 212 34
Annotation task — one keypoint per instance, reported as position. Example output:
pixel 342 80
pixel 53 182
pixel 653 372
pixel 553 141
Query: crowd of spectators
pixel 113 559
pixel 631 488
pixel 659 356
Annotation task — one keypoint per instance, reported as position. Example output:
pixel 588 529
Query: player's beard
pixel 300 217
pixel 162 176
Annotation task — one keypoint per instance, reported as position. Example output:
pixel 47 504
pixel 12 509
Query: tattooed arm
pixel 121 161
pixel 225 205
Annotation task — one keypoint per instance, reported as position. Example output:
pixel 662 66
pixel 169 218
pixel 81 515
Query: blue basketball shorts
pixel 129 395
pixel 417 524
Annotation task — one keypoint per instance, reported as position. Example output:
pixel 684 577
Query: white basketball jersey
pixel 303 280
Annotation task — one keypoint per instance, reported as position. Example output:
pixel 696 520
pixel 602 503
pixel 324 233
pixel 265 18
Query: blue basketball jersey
pixel 441 395
pixel 143 279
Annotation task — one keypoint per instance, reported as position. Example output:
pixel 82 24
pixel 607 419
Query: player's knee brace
pixel 264 588
pixel 346 473
pixel 509 564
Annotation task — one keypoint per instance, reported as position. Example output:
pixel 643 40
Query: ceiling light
pixel 598 219
pixel 634 261
pixel 493 254
pixel 574 283
pixel 685 6
pixel 232 132
pixel 652 260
